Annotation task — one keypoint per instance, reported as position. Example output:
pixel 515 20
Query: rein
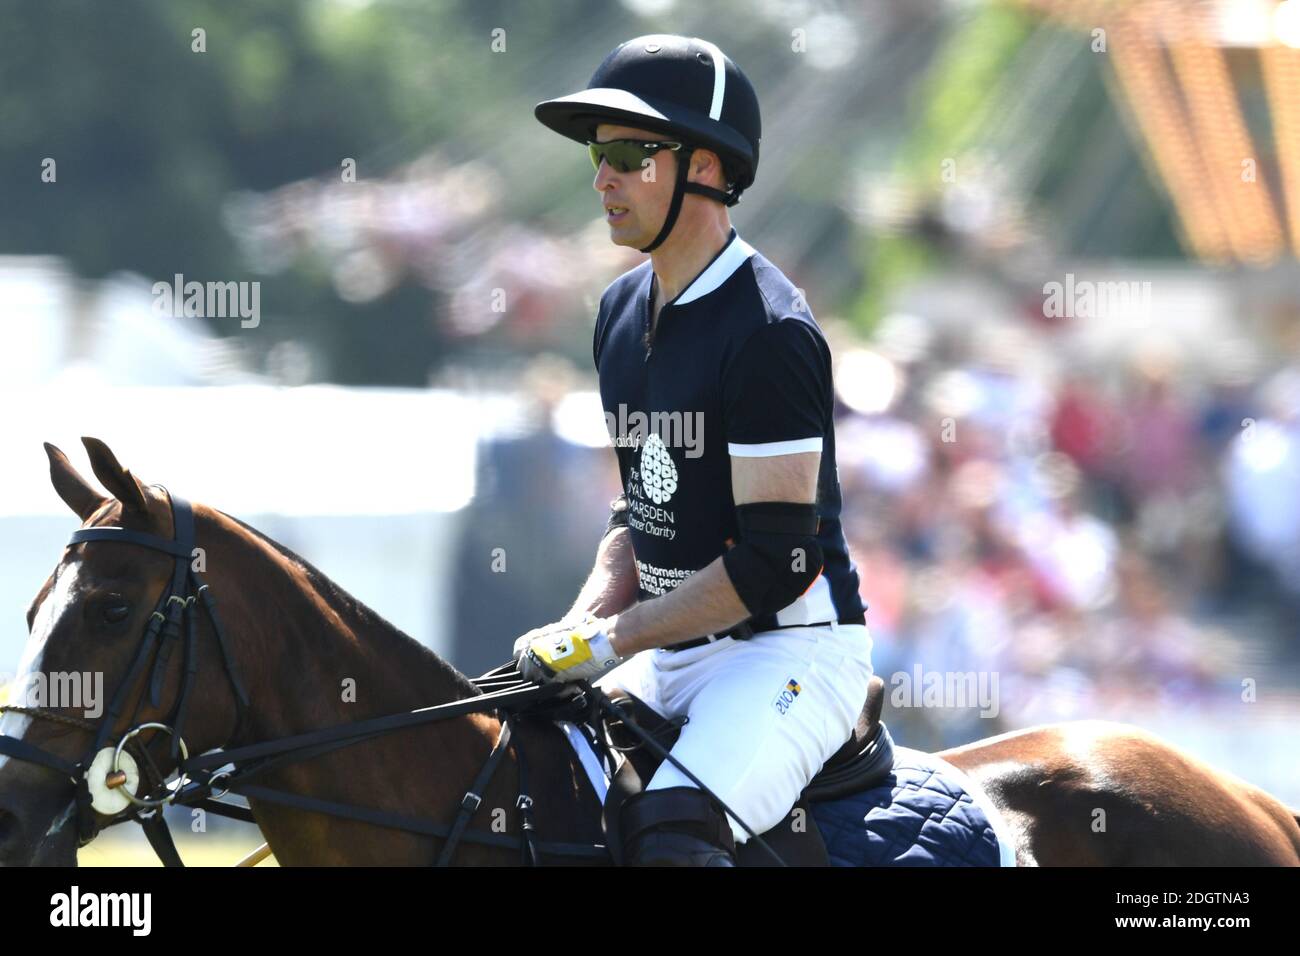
pixel 255 760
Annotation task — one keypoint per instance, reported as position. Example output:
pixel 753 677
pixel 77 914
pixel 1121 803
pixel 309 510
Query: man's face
pixel 644 193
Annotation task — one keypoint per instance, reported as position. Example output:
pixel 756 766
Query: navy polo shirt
pixel 736 367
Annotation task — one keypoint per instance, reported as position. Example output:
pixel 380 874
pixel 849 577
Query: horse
pixel 294 653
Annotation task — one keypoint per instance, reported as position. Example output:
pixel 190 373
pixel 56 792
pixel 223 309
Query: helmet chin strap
pixel 680 188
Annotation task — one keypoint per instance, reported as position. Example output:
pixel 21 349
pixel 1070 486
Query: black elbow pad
pixel 777 557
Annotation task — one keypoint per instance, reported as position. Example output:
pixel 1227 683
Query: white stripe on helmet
pixel 719 78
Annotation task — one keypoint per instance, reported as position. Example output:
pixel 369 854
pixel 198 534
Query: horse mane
pixel 345 605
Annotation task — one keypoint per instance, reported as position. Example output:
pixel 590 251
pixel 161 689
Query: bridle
pixel 221 771
pixel 172 622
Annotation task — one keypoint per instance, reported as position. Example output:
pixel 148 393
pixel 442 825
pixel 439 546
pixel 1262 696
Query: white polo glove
pixel 566 652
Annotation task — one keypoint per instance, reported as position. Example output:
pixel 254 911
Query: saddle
pixel 864 761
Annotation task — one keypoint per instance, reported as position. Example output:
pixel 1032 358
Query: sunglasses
pixel 626 155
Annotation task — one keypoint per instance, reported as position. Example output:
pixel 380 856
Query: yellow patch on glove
pixel 561 653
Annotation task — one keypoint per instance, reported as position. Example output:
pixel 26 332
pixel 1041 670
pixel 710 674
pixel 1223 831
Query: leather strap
pixel 473 798
pixel 126 536
pixel 524 803
pixel 741 632
pixel 29 753
pixel 160 838
pixel 748 630
pixel 679 192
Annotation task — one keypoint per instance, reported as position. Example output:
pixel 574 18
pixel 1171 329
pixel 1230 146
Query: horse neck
pixel 310 654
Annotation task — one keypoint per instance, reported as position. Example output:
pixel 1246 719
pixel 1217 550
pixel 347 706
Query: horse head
pixel 88 626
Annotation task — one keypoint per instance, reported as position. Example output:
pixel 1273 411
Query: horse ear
pixel 75 491
pixel 120 483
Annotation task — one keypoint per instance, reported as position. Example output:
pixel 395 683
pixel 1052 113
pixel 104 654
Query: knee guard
pixel 777 558
pixel 675 826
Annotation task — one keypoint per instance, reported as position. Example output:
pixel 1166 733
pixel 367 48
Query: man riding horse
pixel 722 589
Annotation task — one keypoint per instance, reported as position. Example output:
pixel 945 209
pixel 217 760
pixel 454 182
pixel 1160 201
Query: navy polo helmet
pixel 671 85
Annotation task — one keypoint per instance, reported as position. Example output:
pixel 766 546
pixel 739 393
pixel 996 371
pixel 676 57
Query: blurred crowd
pixel 1105 540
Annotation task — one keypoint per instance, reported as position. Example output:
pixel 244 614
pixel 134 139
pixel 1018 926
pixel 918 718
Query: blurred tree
pixel 1054 158
pixel 151 136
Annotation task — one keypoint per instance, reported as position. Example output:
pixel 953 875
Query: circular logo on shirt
pixel 658 473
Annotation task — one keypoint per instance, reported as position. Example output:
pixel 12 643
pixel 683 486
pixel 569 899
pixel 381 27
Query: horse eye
pixel 116 613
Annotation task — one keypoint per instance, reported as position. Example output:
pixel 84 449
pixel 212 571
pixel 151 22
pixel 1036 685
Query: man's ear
pixel 718 164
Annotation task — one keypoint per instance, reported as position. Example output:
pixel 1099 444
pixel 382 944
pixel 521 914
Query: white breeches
pixel 765 714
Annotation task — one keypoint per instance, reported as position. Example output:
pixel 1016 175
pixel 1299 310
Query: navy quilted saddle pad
pixel 925 813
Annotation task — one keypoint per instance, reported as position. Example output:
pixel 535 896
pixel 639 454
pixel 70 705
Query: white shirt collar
pixel 733 256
